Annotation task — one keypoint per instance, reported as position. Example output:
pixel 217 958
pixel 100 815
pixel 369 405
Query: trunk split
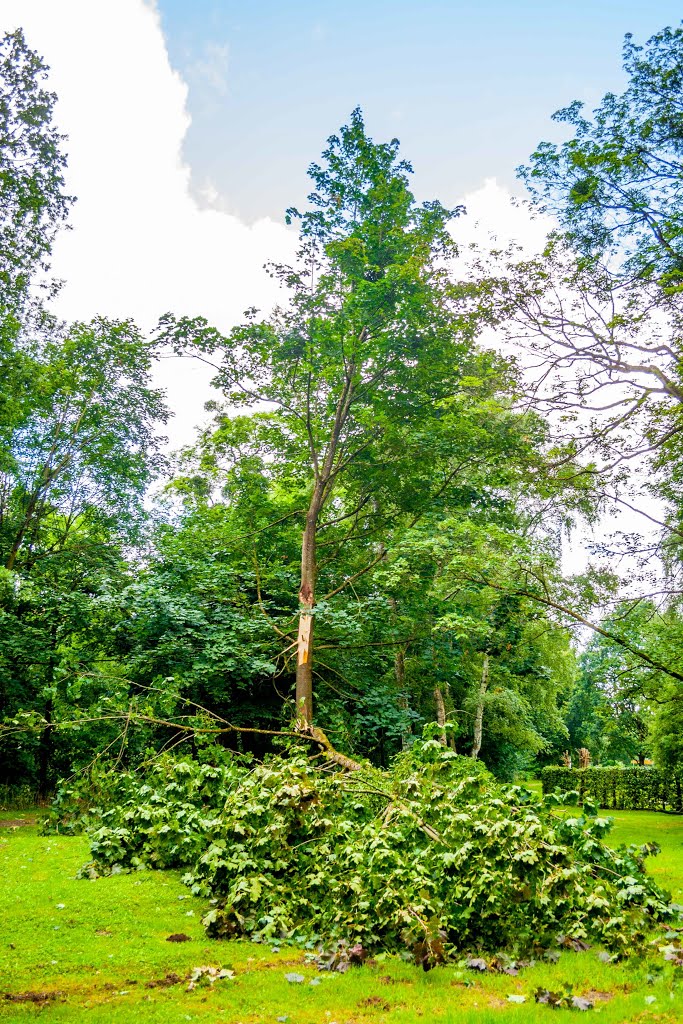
pixel 304 659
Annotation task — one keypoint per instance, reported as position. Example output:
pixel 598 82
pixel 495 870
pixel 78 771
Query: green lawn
pixel 100 944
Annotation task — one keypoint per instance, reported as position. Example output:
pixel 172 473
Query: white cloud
pixel 495 218
pixel 140 244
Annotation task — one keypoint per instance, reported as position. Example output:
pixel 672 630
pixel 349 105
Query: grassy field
pixel 100 949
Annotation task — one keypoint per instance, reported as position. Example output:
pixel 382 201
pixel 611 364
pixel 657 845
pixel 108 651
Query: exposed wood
pixel 309 573
pixel 319 737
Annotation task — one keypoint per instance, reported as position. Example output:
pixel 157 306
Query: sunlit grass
pixel 101 942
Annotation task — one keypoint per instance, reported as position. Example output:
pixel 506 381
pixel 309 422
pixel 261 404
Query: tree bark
pixel 309 572
pixel 479 716
pixel 324 477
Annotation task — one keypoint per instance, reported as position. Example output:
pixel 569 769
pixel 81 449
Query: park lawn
pixel 100 944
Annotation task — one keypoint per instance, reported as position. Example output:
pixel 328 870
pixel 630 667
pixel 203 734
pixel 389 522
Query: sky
pixel 468 87
pixel 191 124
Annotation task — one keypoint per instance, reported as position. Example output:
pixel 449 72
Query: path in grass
pixel 102 945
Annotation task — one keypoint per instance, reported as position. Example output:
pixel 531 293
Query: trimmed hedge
pixel 630 788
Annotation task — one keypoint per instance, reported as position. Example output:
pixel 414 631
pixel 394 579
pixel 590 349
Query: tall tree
pixel 366 364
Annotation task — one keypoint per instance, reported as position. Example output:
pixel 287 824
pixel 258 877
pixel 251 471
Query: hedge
pixel 630 788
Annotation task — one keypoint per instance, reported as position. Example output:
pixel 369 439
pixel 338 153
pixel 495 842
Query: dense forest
pixel 371 531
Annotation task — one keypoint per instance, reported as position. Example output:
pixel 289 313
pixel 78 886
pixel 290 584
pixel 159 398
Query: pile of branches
pixel 433 855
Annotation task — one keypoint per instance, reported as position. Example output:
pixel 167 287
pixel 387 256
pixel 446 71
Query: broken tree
pixel 364 378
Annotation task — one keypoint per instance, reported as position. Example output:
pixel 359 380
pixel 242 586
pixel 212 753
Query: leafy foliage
pixel 32 201
pixel 433 852
pixel 617 184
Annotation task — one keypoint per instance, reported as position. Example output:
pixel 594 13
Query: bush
pixel 434 853
pixel 631 788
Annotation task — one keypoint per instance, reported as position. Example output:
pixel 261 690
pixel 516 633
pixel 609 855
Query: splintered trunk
pixel 440 713
pixel 309 568
pixel 479 716
pixel 304 662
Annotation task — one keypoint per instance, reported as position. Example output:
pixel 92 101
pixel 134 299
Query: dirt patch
pixel 179 937
pixel 598 997
pixel 170 979
pixel 376 1001
pixel 664 1018
pixel 33 997
pixel 17 822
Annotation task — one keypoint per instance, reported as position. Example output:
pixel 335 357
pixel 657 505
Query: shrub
pixel 631 788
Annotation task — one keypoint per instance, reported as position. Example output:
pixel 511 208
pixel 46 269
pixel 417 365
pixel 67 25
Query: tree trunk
pixel 45 744
pixel 309 567
pixel 440 713
pixel 304 660
pixel 21 532
pixel 479 716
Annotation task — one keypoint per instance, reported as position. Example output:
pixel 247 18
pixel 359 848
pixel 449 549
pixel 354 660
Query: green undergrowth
pixel 101 943
pixel 431 859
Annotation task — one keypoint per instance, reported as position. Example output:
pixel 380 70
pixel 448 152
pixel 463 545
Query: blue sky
pixel 468 87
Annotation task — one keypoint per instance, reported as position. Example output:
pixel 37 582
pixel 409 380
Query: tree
pixel 601 311
pixel 88 446
pixel 78 436
pixel 71 502
pixel 33 205
pixel 601 307
pixel 608 712
pixel 617 185
pixel 370 368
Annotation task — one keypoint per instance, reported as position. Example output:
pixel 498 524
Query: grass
pixel 100 944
